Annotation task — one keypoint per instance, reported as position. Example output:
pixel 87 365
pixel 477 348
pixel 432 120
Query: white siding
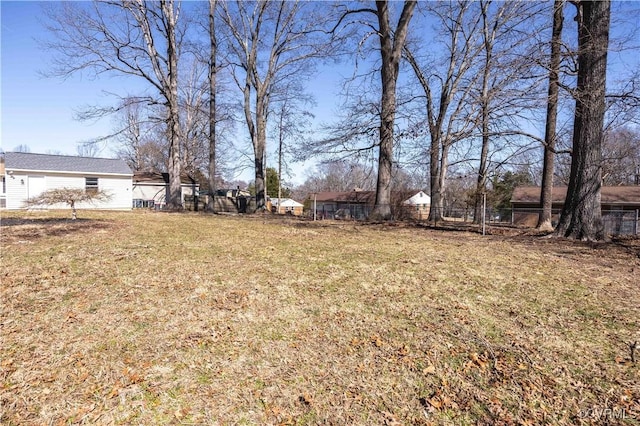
pixel 16 190
pixel 158 191
pixel 120 191
pixel 149 191
pixel 118 186
pixel 419 199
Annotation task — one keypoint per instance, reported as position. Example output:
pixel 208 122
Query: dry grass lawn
pixel 155 318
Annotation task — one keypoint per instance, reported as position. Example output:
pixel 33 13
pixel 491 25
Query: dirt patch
pixel 17 229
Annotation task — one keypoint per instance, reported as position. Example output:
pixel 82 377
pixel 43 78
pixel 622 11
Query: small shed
pixel 151 189
pixel 27 175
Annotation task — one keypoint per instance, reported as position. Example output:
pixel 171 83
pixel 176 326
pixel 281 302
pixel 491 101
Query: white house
pixel 151 189
pixel 286 206
pixel 418 205
pixel 27 175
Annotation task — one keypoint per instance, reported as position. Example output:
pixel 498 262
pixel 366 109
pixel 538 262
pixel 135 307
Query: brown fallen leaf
pixel 435 402
pixel 430 369
pixel 377 341
pixel 305 398
pixel 479 360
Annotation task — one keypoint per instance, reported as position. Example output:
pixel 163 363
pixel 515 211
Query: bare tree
pixel 505 85
pixel 446 93
pixel 130 137
pixel 132 38
pixel 69 196
pixel 392 42
pixel 88 149
pixel 546 190
pixel 338 176
pixel 581 215
pixel 207 114
pixel 621 157
pixel 270 43
pixel 22 148
pixel 194 119
pixel 292 123
pixel 369 124
pixel 139 138
pixel 354 135
pixel 213 82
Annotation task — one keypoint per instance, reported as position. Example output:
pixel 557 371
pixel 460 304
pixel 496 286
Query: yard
pixel 155 318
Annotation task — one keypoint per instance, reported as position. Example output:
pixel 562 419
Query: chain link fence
pixel 621 222
pixel 616 222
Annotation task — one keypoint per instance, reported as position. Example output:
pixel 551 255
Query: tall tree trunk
pixel 280 145
pixel 546 191
pixel 442 178
pixel 481 186
pixel 260 147
pixel 488 40
pixel 435 209
pixel 212 104
pixel 174 201
pixel 581 216
pixel 391 45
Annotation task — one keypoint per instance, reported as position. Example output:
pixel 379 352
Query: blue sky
pixel 38 111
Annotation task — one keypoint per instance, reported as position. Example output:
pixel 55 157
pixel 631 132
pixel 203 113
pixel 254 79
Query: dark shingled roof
pixel 65 163
pixel 609 194
pixel 157 177
pixel 363 197
pixel 360 197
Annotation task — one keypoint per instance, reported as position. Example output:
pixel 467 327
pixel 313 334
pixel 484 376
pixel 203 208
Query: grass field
pixel 156 318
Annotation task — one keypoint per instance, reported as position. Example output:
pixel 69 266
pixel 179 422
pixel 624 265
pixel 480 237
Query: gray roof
pixel 65 163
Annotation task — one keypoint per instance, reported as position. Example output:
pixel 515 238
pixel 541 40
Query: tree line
pixel 436 90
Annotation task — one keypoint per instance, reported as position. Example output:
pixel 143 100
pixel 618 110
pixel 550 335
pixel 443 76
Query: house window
pixel 143 204
pixel 91 185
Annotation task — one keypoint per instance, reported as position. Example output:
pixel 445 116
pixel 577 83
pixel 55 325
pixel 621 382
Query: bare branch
pixel 69 196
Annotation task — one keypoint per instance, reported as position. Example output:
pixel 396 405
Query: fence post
pixel 484 211
pixel 315 195
pixel 635 224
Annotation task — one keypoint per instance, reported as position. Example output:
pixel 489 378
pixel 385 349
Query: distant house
pixel 418 205
pixel 618 200
pixel 27 175
pixel 151 189
pixel 233 193
pixel 358 204
pixel 286 206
